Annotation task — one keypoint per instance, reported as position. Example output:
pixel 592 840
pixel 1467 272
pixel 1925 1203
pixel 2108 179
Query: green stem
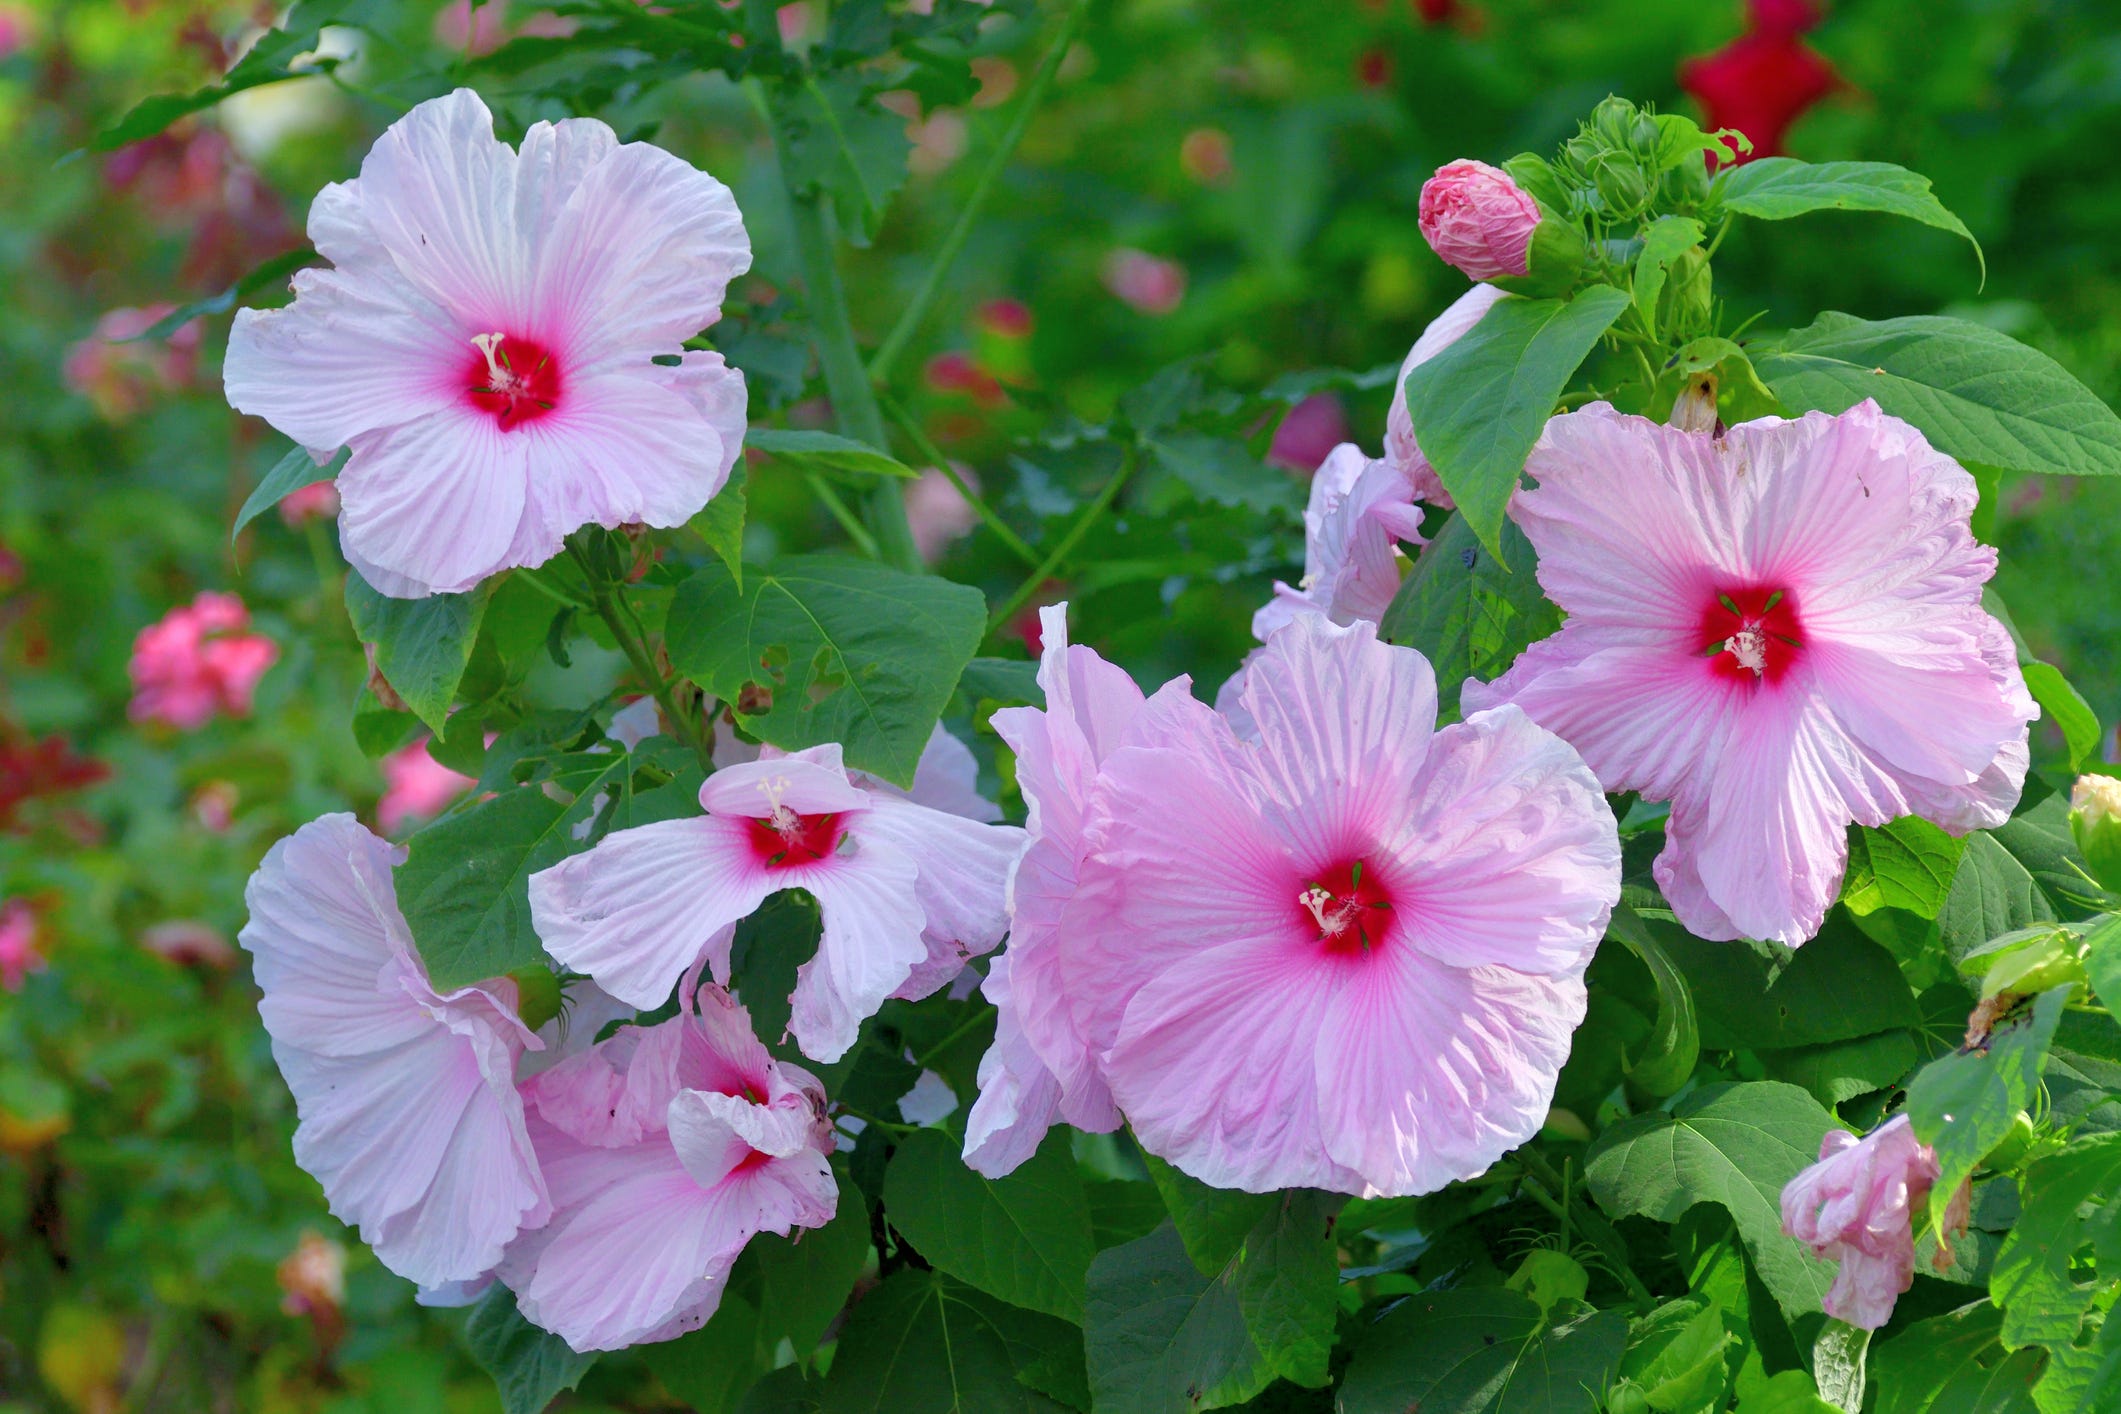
pixel 631 643
pixel 888 353
pixel 849 521
pixel 1067 544
pixel 930 453
pixel 1595 1227
pixel 853 400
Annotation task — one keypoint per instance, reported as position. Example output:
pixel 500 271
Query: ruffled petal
pixel 870 945
pixel 963 871
pixel 1019 1099
pixel 433 504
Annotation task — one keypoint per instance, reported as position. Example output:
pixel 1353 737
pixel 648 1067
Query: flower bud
pixel 2013 1147
pixel 2095 819
pixel 1480 221
pixel 537 995
pixel 1550 1277
pixel 1686 305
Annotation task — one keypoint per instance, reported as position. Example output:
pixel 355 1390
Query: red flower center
pixel 1751 634
pixel 785 839
pixel 1347 908
pixel 513 379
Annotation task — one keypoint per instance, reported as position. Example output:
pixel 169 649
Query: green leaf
pixel 1212 1222
pixel 1907 864
pixel 2070 1203
pixel 1954 1364
pixel 422 645
pixel 1667 238
pixel 1734 1145
pixel 2102 960
pixel 286 476
pixel 841 144
pixel 2066 708
pixel 1222 471
pixel 801 1283
pixel 1837 1363
pixel 1964 1104
pixel 721 522
pixel 465 884
pixel 1842 1070
pixel 1162 1338
pixel 1787 1392
pixel 1469 612
pixel 924 1344
pixel 826 451
pixel 787 1390
pixel 1482 402
pixel 2026 871
pixel 1979 395
pixel 1838 986
pixel 1007 682
pixel 530 1366
pixel 1482 1351
pixel 267 61
pixel 842 651
pixel 1675 1357
pixel 712 1367
pixel 1666 1060
pixel 1024 1238
pixel 1777 188
pixel 1288 1285
pixel 266 273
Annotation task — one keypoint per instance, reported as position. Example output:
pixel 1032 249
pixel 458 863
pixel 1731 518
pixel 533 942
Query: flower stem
pixel 929 452
pixel 1067 544
pixel 1594 1225
pixel 624 629
pixel 909 322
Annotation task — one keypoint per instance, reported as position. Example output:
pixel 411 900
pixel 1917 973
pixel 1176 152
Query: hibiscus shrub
pixel 1639 930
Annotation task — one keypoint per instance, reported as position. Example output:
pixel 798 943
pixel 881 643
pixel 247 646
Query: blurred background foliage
pixel 1217 195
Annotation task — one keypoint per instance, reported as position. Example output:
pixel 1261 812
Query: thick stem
pixel 888 353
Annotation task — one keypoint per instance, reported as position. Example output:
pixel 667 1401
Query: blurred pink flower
pixel 1781 632
pixel 416 787
pixel 488 357
pixel 1004 318
pixel 120 377
pixel 1308 431
pixel 190 943
pixel 18 26
pixel 1147 283
pixel 317 501
pixel 213 805
pixel 18 944
pixel 1478 220
pixel 938 512
pixel 196 661
pixel 957 372
pixel 1858 1206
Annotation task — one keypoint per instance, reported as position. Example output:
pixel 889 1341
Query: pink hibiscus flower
pixel 409 1112
pixel 1857 1206
pixel 667 1148
pixel 907 892
pixel 416 787
pixel 196 661
pixel 1348 955
pixel 1780 632
pixel 1402 452
pixel 1359 510
pixel 19 955
pixel 485 344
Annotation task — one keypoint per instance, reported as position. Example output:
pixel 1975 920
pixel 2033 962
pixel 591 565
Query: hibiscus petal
pixel 432 503
pixel 870 945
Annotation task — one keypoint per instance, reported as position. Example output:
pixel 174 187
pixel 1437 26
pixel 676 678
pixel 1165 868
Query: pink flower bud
pixel 1479 220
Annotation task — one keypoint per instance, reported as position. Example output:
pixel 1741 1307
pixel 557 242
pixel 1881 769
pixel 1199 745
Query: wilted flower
pixel 668 1148
pixel 485 344
pixel 1780 631
pixel 1146 283
pixel 2095 821
pixel 197 660
pixel 18 943
pixel 1479 220
pixel 1857 1206
pixel 121 376
pixel 416 787
pixel 408 1109
pixel 313 1278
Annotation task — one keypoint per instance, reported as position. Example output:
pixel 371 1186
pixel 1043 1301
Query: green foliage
pixel 821 649
pixel 529 1366
pixel 924 1344
pixel 1468 610
pixel 1482 1352
pixel 422 646
pixel 285 477
pixel 1954 1362
pixel 1964 1104
pixel 826 452
pixel 1777 188
pixel 2058 1264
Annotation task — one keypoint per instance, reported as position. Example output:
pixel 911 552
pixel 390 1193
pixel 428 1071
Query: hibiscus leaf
pixel 838 142
pixel 2070 1201
pixel 2027 870
pixel 1665 241
pixel 1162 1337
pixel 826 451
pixel 822 649
pixel 712 1367
pixel 276 269
pixel 285 477
pixel 1954 1364
pixel 422 645
pixel 1979 395
pixel 1842 1070
pixel 1211 1222
pixel 2063 705
pixel 1288 1282
pixel 922 1343
pixel 530 1366
pixel 1777 188
pixel 1838 986
pixel 1482 1351
pixel 1734 1145
pixel 1906 864
pixel 1468 611
pixel 1024 1238
pixel 1963 1104
pixel 1481 403
pixel 269 60
pixel 721 522
pixel 800 1283
pixel 1666 1060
